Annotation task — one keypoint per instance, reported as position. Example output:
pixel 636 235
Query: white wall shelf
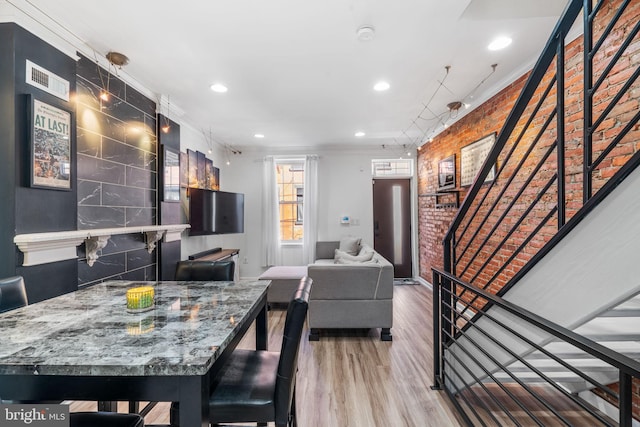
pixel 42 248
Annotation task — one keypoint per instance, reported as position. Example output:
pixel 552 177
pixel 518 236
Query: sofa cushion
pixel 342 257
pixel 350 245
pixel 347 261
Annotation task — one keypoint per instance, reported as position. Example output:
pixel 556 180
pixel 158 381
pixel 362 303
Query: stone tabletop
pixel 90 332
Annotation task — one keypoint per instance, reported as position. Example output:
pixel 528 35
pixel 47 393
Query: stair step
pixel 531 377
pixel 567 351
pixel 611 329
pixel 622 312
pixel 549 365
pixel 631 303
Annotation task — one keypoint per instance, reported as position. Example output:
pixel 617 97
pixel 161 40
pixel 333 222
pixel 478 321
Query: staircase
pixel 537 309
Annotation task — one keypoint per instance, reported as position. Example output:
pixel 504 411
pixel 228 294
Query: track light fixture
pixel 116 59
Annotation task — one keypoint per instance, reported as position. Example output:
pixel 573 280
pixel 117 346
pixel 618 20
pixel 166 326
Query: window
pixel 392 168
pixel 290 200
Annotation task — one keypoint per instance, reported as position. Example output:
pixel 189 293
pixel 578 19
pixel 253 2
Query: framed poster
pixel 215 178
pixel 447 173
pixel 184 170
pixel 171 175
pixel 472 158
pixel 193 169
pixel 50 146
pixel 208 170
pixel 212 176
pixel 201 170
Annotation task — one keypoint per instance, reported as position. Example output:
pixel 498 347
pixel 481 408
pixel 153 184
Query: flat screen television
pixel 215 212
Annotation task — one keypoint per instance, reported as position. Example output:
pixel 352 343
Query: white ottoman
pixel 284 281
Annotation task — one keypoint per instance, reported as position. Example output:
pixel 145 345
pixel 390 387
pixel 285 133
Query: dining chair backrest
pixel 288 364
pixel 13 293
pixel 205 270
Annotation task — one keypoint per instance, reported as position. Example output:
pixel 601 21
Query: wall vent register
pixel 47 81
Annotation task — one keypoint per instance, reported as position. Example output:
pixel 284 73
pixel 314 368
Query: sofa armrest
pixel 326 250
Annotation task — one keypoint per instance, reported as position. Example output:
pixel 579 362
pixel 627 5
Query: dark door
pixel 392 223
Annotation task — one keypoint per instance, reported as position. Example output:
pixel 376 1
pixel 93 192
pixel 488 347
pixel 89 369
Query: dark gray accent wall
pixel 7 151
pixel 169 212
pixel 117 172
pixel 25 209
pixel 114 169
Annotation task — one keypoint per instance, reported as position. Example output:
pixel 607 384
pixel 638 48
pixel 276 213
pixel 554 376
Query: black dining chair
pixel 13 293
pixel 104 419
pixel 258 386
pixel 199 271
pixel 205 270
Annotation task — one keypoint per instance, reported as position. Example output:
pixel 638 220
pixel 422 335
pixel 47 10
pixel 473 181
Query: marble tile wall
pixel 117 172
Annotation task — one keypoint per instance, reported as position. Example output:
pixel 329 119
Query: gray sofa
pixel 351 294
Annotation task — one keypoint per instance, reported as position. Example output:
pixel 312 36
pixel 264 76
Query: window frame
pixel 291 163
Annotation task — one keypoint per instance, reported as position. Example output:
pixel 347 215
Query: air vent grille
pixel 47 81
pixel 39 77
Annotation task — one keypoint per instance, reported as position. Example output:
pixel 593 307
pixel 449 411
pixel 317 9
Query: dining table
pixel 87 345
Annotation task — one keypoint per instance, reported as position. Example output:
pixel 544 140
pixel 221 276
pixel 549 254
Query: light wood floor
pixel 352 379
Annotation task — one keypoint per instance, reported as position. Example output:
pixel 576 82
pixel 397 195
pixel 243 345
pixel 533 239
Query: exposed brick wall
pixel 484 267
pixel 434 222
pixel 491 265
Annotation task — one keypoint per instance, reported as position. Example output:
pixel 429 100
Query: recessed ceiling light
pixel 381 86
pixel 258 135
pixel 499 43
pixel 359 134
pixel 219 87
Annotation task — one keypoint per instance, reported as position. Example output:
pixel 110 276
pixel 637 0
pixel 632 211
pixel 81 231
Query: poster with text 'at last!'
pixel 51 147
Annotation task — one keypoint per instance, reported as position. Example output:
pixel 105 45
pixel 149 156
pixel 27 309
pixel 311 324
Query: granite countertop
pixel 90 332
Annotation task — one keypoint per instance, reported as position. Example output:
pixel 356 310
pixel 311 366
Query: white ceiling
pixel 296 71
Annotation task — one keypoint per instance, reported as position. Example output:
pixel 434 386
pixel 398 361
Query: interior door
pixel 392 223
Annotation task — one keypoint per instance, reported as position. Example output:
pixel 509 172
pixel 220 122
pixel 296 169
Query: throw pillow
pixel 350 245
pixel 361 257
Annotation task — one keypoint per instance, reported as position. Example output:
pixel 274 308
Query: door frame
pixel 413 192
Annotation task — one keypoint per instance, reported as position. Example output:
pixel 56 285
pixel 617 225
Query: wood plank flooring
pixel 352 379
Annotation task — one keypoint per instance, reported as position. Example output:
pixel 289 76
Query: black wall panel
pixel 114 169
pixel 7 152
pixel 49 280
pixel 117 173
pixel 40 210
pixel 25 209
pixel 169 212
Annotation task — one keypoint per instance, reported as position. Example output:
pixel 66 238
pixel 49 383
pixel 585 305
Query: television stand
pixel 219 254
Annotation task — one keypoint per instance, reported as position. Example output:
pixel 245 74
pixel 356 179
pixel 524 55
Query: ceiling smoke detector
pixel 366 33
pixel 118 59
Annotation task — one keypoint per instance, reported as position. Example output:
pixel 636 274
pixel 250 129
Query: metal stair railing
pixel 549 177
pixel 485 351
pixel 569 140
